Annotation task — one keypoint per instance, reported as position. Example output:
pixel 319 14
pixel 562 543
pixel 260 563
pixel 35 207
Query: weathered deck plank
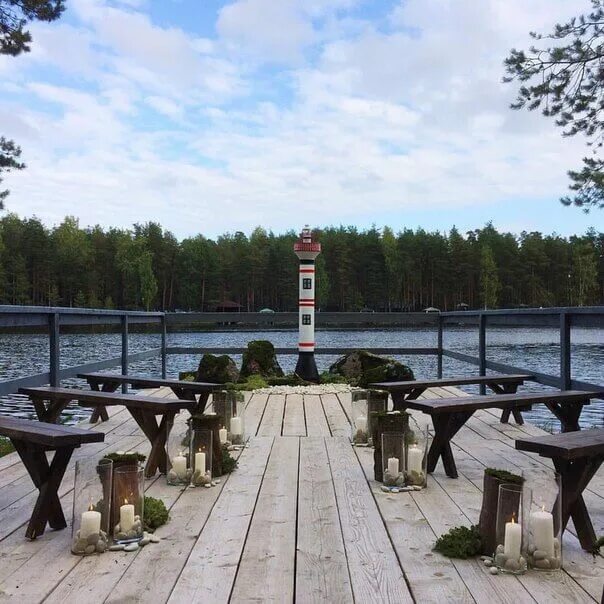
pixel 316 422
pixel 272 420
pixel 336 418
pixel 294 423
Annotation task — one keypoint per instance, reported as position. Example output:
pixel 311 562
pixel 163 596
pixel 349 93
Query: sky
pixel 212 117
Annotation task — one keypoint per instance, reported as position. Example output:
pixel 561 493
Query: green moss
pixel 504 476
pixel 253 382
pixel 126 457
pixel 229 463
pixel 187 376
pixel 218 369
pixel 332 378
pixel 260 358
pixel 6 447
pixel 460 542
pixel 155 513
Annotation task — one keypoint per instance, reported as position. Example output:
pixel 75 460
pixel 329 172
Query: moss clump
pixel 362 368
pixel 217 369
pixel 260 358
pixel 187 376
pixel 460 542
pixel 253 382
pixel 123 458
pixel 155 513
pixel 229 463
pixel 504 476
pixel 6 447
pixel 332 378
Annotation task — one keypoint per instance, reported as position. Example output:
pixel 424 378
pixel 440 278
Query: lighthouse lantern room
pixel 307 250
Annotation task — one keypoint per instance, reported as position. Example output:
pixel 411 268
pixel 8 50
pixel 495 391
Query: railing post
pixel 125 350
pixel 482 349
pixel 565 366
pixel 439 365
pixel 163 347
pixel 55 349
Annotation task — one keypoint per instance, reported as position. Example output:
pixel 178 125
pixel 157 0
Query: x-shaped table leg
pixel 446 426
pixel 47 479
pixel 568 414
pixel 157 434
pixel 49 413
pixel 505 414
pixel 100 411
pixel 399 398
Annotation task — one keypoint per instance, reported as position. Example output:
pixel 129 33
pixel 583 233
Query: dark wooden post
pixel 439 362
pixel 163 346
pixel 55 349
pixel 125 351
pixel 565 366
pixel 482 349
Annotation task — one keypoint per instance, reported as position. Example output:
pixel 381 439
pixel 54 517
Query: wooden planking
pixel 433 578
pixel 375 573
pixel 293 419
pixel 253 413
pixel 272 420
pixel 316 423
pixel 321 566
pixel 336 418
pixel 266 570
pixel 210 570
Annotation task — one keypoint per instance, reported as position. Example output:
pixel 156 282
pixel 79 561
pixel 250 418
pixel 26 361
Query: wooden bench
pixel 450 414
pixel 577 456
pixel 499 384
pixel 110 382
pixel 49 402
pixel 32 440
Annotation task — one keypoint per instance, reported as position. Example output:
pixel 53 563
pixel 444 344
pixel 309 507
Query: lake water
pixel 533 349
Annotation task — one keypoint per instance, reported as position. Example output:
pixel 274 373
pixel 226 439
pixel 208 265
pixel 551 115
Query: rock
pixel 80 545
pixel 217 369
pixel 116 547
pixel 260 359
pixel 90 549
pixel 406 489
pixel 500 560
pixel 554 563
pixel 385 488
pixel 484 558
pixel 539 554
pixel 416 488
pixel 362 368
pixel 493 570
pixel 208 485
pixel 144 541
pixel 395 490
pixel 172 477
pixel 400 481
pixel 121 536
pixel 101 546
pixel 522 563
pixel 543 564
pixel 531 549
pixel 133 534
pixel 500 549
pixel 217 481
pixel 488 563
pixel 512 565
pixel 92 538
pixel 154 539
pixel 131 547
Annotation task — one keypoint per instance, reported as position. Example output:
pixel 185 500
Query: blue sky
pixel 211 116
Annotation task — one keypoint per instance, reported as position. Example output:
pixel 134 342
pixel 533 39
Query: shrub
pixel 155 513
pixel 460 542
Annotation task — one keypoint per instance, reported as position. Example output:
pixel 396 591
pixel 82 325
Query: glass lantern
pixel 128 502
pixel 177 453
pixel 510 555
pixel 229 405
pixel 200 452
pixel 91 506
pixel 417 441
pixel 545 525
pixel 393 459
pixel 364 403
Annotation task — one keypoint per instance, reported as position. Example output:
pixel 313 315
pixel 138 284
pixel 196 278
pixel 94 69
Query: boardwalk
pixel 300 520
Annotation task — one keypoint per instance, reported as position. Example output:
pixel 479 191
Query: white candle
pixel 90 523
pixel 126 516
pixel 179 465
pixel 415 457
pixel 512 540
pixel 542 530
pixel 200 461
pixel 393 466
pixel 236 426
pixel 361 423
pixel 223 434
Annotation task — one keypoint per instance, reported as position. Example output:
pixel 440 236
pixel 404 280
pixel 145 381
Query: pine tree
pixel 489 281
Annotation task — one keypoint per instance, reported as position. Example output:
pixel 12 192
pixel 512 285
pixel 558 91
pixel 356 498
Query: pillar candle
pixel 393 465
pixel 223 434
pixel 90 523
pixel 236 427
pixel 126 516
pixel 179 465
pixel 361 423
pixel 200 461
pixel 512 540
pixel 542 529
pixel 415 456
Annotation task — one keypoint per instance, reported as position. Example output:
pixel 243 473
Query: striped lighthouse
pixel 307 250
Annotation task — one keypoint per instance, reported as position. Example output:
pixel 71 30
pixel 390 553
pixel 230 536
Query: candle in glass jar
pixel 415 457
pixel 542 530
pixel 512 540
pixel 223 435
pixel 179 465
pixel 393 465
pixel 90 523
pixel 361 423
pixel 200 461
pixel 236 427
pixel 126 516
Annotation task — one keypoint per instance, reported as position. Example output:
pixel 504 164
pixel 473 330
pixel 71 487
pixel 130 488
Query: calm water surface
pixel 534 349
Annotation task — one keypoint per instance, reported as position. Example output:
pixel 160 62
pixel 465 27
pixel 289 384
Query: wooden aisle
pixel 300 520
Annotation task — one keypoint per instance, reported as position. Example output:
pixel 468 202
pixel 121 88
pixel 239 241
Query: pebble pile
pixel 309 389
pixel 539 559
pixel 132 547
pixel 134 533
pixel 95 543
pixel 509 564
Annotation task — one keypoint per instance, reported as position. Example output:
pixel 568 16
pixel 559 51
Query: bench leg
pixel 446 426
pixel 575 476
pixel 568 414
pixel 47 479
pixel 505 414
pixel 49 413
pixel 100 411
pixel 157 434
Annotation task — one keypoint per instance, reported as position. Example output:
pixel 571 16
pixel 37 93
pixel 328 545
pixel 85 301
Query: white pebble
pixel 217 481
pixel 117 547
pixel 131 547
pixel 385 489
pixel 395 490
pixel 154 539
pixel 207 486
pixel 493 570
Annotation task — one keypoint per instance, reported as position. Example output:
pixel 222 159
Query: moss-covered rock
pixel 260 359
pixel 362 368
pixel 187 376
pixel 217 369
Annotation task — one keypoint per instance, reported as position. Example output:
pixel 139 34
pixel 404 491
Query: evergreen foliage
pixel 504 476
pixel 155 513
pixel 460 542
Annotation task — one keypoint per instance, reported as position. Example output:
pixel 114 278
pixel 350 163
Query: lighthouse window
pixel 306 319
pixel 307 283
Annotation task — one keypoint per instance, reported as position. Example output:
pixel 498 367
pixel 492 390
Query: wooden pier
pixel 300 520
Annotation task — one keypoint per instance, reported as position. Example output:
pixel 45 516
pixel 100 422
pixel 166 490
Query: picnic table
pixel 498 384
pixel 110 382
pixel 577 456
pixel 450 414
pixel 50 401
pixel 32 440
